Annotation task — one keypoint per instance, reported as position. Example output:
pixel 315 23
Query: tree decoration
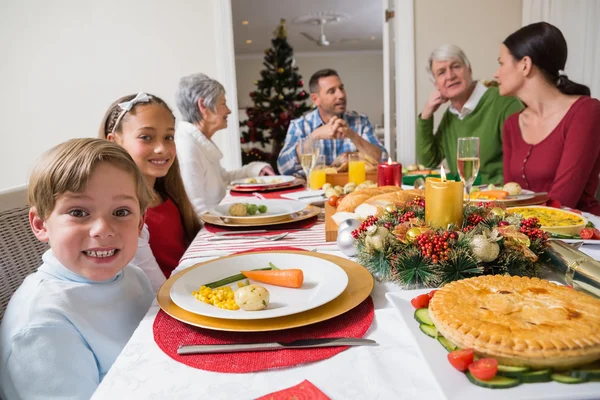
pixel 399 247
pixel 277 92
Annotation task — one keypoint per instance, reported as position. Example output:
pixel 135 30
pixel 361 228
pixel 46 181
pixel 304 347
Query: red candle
pixel 389 174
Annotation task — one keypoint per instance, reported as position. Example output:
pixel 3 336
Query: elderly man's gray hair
pixel 193 88
pixel 447 52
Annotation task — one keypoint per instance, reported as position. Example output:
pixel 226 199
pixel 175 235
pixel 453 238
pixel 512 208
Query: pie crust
pixel 519 321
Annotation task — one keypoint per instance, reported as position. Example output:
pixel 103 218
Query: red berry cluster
pixel 371 220
pixel 472 221
pixel 435 246
pixel 531 228
pixel 417 201
pixel 406 217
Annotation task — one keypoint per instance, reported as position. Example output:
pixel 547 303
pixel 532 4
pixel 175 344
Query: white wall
pixel 63 62
pixel 361 72
pixel 477 26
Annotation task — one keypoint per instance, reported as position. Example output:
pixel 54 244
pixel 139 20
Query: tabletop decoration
pixel 400 247
pixel 389 173
pixel 170 334
pixel 577 269
pixel 345 240
pixel 445 201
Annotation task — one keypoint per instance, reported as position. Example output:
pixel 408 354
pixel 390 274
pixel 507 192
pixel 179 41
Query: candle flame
pixel 389 160
pixel 443 174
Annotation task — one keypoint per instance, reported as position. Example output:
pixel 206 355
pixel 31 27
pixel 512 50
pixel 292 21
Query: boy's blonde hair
pixel 68 167
pixel 170 185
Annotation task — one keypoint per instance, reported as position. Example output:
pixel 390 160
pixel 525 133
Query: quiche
pixel 553 219
pixel 519 321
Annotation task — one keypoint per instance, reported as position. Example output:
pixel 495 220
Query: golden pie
pixel 519 321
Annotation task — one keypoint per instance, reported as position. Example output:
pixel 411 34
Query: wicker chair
pixel 20 251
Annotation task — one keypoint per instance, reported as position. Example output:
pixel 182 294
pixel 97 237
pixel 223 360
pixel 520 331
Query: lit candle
pixel 443 202
pixel 389 174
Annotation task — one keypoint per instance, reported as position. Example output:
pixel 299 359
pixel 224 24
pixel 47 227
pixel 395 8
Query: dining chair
pixel 20 251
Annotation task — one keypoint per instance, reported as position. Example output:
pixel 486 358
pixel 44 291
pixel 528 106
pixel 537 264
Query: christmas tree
pixel 278 99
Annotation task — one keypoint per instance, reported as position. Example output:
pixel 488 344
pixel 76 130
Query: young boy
pixel 67 323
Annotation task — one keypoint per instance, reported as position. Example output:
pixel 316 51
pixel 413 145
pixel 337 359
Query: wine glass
pixel 308 151
pixel 467 160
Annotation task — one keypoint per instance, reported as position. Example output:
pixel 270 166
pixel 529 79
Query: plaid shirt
pixel 288 162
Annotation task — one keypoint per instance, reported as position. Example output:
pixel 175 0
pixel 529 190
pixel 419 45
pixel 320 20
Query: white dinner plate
pixel 264 181
pixel 584 241
pixel 275 208
pixel 323 282
pixel 454 385
pixel 525 195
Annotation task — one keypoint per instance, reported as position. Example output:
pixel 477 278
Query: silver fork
pixel 272 237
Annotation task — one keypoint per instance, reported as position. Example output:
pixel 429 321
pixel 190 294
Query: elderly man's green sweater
pixel 485 122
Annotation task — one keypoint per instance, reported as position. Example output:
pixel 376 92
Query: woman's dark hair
pixel 546 46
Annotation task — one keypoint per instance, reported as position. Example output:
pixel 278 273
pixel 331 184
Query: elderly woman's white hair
pixel 193 88
pixel 447 52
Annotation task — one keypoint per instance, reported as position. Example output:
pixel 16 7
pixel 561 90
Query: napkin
pixel 303 390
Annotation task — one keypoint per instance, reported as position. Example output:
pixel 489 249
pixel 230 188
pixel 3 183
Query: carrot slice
pixel 292 278
pixel 490 194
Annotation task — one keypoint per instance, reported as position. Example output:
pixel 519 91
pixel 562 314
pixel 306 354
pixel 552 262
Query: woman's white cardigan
pixel 204 179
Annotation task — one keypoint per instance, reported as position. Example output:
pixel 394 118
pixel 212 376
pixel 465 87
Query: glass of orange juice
pixel 318 174
pixel 356 168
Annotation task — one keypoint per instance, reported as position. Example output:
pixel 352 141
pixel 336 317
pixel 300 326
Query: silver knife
pixel 296 344
pixel 256 231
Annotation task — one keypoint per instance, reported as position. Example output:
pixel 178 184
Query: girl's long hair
pixel 170 185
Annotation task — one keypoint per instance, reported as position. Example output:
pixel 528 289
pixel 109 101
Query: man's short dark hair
pixel 313 84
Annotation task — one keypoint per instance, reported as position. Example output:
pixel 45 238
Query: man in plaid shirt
pixel 338 131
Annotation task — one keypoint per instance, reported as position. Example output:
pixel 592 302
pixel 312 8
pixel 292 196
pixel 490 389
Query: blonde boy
pixel 67 323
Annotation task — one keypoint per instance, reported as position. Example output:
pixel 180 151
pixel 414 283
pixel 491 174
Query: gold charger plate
pixel 309 212
pixel 360 285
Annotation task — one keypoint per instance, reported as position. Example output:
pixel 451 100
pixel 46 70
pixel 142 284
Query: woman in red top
pixel 552 145
pixel 145 126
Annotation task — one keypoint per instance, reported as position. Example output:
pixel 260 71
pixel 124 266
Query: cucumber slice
pixel 566 378
pixel 422 315
pixel 586 373
pixel 448 345
pixel 509 370
pixel 429 330
pixel 543 375
pixel 497 382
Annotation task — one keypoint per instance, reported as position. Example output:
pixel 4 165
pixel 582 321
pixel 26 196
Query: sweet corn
pixel 220 297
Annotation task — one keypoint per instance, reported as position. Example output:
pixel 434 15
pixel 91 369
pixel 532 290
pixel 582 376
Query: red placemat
pixel 304 224
pixel 303 390
pixel 170 333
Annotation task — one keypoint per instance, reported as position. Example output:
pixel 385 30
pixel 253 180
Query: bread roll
pixel 356 198
pixel 376 205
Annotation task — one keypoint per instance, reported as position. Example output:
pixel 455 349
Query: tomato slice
pixel 461 359
pixel 596 235
pixel 586 233
pixel 484 368
pixel 421 301
pixel 430 294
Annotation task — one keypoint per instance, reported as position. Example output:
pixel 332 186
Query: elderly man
pixel 475 110
pixel 343 131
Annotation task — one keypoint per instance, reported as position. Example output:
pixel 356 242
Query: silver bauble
pixel 349 223
pixel 484 249
pixel 346 242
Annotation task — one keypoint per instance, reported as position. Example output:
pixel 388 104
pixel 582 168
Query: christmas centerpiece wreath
pixel 398 246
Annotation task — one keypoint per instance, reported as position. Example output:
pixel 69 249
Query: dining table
pixel 394 369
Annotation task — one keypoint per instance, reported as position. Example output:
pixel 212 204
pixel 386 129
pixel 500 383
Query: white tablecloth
pixel 393 370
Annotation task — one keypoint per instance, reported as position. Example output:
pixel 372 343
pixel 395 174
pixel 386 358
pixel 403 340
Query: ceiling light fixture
pixel 248 41
pixel 244 22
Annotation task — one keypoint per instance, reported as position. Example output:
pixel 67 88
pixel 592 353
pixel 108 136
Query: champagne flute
pixel 467 160
pixel 308 152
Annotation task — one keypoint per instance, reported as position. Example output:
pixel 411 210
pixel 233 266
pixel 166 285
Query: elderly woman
pixel 201 101
pixel 552 145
